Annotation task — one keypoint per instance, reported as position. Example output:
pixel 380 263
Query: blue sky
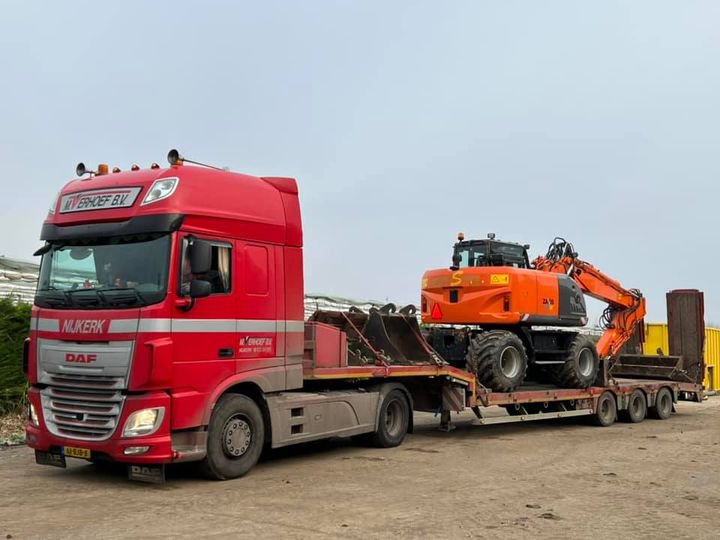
pixel 404 122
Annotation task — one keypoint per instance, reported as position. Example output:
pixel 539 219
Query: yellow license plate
pixel 83 453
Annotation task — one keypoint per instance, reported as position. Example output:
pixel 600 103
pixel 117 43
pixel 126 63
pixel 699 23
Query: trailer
pixel 168 326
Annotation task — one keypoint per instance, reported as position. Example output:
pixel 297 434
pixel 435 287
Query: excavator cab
pixel 490 252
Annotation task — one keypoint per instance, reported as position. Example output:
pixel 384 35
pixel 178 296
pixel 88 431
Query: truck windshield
pixel 104 273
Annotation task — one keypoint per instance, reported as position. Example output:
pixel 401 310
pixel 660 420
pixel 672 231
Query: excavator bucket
pixel 381 336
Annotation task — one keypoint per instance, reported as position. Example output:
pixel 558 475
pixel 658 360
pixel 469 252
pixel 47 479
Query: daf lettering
pixel 80 358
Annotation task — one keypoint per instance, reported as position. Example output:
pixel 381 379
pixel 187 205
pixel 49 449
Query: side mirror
pixel 199 288
pixel 200 253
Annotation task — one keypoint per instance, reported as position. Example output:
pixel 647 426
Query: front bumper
pixel 160 445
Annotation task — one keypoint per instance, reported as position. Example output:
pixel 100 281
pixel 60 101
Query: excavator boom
pixel 626 307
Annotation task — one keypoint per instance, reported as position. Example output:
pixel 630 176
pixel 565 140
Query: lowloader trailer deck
pixel 168 326
pixel 445 389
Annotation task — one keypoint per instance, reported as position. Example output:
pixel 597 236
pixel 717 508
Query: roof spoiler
pixel 282 184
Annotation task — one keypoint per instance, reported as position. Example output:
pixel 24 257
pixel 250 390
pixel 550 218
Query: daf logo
pixel 80 358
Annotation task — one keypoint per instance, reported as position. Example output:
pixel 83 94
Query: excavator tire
pixel 581 364
pixel 499 360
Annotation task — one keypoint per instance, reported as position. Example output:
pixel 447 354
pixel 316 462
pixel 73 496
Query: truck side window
pixel 218 275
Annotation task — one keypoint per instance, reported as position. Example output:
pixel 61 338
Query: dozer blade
pixel 382 336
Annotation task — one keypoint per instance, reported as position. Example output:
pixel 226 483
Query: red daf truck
pixel 168 327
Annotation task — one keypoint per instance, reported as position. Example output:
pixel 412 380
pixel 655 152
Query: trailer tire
pixel 236 435
pixel 663 405
pixel 636 408
pixel 499 360
pixel 606 411
pixel 393 421
pixel 581 364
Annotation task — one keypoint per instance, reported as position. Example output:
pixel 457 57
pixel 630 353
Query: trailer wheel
pixel 636 409
pixel 499 359
pixel 393 421
pixel 663 405
pixel 606 411
pixel 236 435
pixel 581 364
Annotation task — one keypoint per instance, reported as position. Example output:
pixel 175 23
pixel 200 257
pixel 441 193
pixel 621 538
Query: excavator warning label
pixel 499 279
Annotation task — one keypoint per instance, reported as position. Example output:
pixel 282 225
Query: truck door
pixel 204 336
pixel 261 335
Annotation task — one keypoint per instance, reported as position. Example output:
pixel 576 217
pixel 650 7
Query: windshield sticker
pixel 99 199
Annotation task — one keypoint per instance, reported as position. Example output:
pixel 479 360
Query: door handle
pixel 225 353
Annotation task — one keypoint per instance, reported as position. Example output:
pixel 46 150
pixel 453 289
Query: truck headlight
pixel 143 422
pixel 161 189
pixel 32 415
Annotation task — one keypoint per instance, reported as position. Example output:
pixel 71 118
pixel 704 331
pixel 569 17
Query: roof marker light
pixel 102 169
pixel 116 170
pixel 135 167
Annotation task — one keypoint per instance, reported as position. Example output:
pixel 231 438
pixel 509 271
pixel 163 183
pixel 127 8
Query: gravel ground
pixel 12 428
pixel 657 479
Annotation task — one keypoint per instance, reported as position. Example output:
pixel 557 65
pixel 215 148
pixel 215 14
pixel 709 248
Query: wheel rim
pixel 237 436
pixel 510 362
pixel 393 418
pixel 586 362
pixel 636 406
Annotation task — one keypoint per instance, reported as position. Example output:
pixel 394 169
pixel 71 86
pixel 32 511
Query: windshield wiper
pixel 138 297
pixel 53 298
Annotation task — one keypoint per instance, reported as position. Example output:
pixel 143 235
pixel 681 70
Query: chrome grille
pixel 84 407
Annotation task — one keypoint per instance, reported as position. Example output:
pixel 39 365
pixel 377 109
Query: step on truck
pixel 168 326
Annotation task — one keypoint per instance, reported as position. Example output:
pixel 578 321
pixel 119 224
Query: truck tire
pixel 636 409
pixel 606 411
pixel 581 364
pixel 393 421
pixel 236 435
pixel 663 405
pixel 499 360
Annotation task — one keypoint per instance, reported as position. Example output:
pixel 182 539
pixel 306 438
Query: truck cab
pixel 160 289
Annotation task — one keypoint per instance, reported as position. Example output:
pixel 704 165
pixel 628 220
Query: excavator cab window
pixel 490 253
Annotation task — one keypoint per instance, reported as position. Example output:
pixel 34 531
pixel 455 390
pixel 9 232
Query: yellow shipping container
pixel 656 337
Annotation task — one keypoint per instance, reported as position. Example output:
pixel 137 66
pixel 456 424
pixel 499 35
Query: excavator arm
pixel 626 307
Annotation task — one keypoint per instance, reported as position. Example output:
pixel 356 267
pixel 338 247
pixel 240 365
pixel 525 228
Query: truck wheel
pixel 636 409
pixel 606 411
pixel 581 364
pixel 498 359
pixel 393 421
pixel 663 405
pixel 235 437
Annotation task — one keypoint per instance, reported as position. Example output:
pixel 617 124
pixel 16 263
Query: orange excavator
pixel 500 315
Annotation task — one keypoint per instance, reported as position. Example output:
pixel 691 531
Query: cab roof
pixel 210 201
